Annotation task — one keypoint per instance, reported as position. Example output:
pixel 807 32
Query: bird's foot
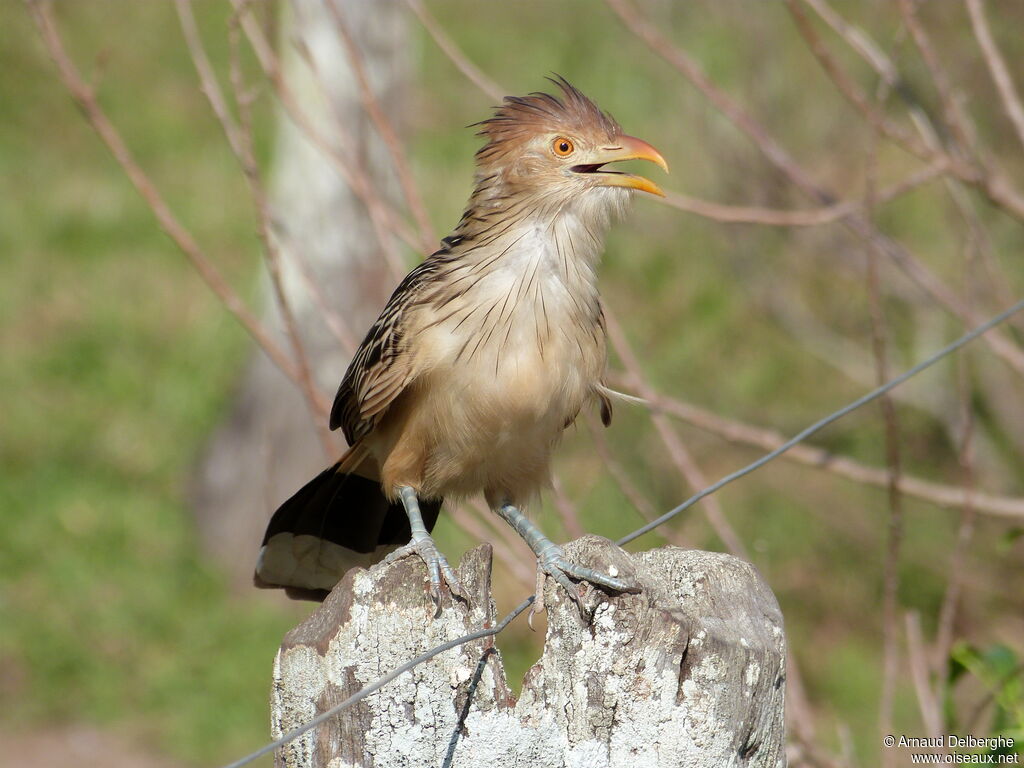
pixel 552 562
pixel 440 572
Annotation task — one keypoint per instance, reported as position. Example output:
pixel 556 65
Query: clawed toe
pixel 438 569
pixel 555 565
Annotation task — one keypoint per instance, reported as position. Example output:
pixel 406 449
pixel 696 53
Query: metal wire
pixel 799 437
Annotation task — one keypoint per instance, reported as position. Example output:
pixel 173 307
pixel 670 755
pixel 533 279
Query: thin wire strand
pixel 821 424
pixel 380 683
pixel 800 436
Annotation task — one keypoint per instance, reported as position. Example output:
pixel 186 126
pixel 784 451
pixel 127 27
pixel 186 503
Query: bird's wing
pixel 384 365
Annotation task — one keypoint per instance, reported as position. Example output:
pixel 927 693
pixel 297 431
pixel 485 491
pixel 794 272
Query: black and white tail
pixel 336 521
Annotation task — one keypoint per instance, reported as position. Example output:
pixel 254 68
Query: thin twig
pixel 955 118
pixel 454 53
pixel 472 524
pixel 677 451
pixel 965 531
pixel 927 702
pixel 566 509
pixel 853 93
pixel 1002 345
pixel 891 571
pixel 996 186
pixel 111 137
pixel 621 477
pixel 207 79
pixel 948 496
pixel 997 66
pixel 734 214
pixel 371 105
pixel 315 401
pixel 382 217
pixel 336 324
pixel 953 114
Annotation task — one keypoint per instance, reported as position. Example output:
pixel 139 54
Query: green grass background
pixel 117 362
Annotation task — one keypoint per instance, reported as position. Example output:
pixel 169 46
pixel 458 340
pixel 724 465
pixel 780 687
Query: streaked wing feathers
pixel 383 366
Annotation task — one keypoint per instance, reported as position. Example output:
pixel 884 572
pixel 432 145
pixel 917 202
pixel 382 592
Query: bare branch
pixel 997 66
pixel 247 157
pixel 947 496
pixel 965 531
pixel 384 219
pixel 566 509
pixel 677 451
pixel 852 92
pixel 1000 343
pixel 208 80
pixel 386 131
pixel 731 214
pixel 931 714
pixel 86 100
pixel 953 115
pixel 640 502
pixel 455 55
pixel 893 550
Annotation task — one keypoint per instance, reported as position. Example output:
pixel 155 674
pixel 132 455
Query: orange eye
pixel 562 146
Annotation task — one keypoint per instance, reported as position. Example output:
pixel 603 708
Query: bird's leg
pixel 551 559
pixel 423 545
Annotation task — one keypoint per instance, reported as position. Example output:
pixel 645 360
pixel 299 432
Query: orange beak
pixel 625 148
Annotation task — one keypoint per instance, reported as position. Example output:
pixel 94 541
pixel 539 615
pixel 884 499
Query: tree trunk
pixel 268 447
pixel 689 672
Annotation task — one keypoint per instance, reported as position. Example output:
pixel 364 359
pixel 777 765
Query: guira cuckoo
pixel 484 354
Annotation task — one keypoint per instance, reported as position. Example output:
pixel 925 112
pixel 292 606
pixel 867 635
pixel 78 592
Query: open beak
pixel 624 148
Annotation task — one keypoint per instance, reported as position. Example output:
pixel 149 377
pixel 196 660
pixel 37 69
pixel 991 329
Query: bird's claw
pixel 553 563
pixel 438 569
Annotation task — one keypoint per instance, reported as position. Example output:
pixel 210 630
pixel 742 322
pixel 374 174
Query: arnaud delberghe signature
pixel 955 741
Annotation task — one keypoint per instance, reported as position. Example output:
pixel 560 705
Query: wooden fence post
pixel 690 672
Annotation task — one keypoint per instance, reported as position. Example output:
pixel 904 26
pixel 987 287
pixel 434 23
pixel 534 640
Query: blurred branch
pixel 621 477
pixel 953 115
pixel 336 324
pixel 997 66
pixel 209 84
pixel 472 523
pixel 995 186
pixel 677 451
pixel 319 411
pixel 965 531
pixel 731 214
pixel 948 496
pixel 855 95
pixel 955 118
pixel 428 237
pixel 384 219
pixel 1000 343
pixel 931 713
pixel 85 98
pixel 566 510
pixel 454 53
pixel 879 349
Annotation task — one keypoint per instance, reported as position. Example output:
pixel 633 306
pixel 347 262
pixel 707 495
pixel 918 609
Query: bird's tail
pixel 338 520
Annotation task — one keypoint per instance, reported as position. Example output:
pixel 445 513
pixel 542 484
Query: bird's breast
pixel 510 361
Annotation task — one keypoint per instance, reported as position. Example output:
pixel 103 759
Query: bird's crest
pixel 520 118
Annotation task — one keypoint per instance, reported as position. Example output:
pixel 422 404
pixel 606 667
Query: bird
pixel 484 354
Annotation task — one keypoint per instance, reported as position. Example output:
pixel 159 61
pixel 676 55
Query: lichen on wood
pixel 688 672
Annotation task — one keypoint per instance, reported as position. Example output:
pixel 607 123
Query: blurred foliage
pixel 118 362
pixel 1000 672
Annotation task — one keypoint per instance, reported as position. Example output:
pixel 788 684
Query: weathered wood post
pixel 689 672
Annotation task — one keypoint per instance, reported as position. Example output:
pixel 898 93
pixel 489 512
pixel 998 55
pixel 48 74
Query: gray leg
pixel 423 545
pixel 551 560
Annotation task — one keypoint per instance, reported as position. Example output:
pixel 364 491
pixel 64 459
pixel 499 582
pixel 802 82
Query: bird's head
pixel 556 149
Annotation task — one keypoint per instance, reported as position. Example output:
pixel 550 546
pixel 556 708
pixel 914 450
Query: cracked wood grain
pixel 690 672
